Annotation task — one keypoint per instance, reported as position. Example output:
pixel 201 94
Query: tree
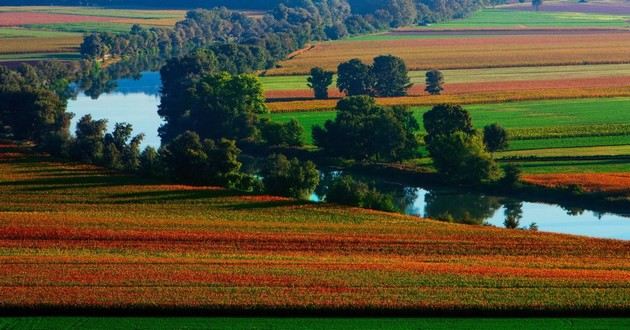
pixel 178 76
pixel 391 77
pixel 290 133
pixel 188 159
pixel 89 143
pixel 290 178
pixel 150 163
pixel 355 78
pixel 434 82
pixel 319 81
pixel 217 106
pixel 495 137
pixel 462 157
pixel 537 4
pixel 445 119
pixel 364 130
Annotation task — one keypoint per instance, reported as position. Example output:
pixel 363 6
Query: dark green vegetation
pixel 106 323
pixel 363 130
pixel 319 81
pixel 386 77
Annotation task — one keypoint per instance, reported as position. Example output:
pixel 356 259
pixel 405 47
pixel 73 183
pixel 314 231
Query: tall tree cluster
pixel 388 76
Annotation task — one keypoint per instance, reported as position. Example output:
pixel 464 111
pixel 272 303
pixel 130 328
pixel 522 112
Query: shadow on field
pixel 172 196
pixel 266 205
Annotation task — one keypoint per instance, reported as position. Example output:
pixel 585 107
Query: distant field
pixel 501 18
pixel 611 7
pixel 180 248
pixel 471 52
pixel 40 31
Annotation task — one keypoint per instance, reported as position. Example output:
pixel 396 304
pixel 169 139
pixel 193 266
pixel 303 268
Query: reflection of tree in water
pixel 402 196
pixel 513 214
pixel 461 208
pixel 574 211
pixel 95 81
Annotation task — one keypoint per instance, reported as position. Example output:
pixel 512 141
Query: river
pixel 136 102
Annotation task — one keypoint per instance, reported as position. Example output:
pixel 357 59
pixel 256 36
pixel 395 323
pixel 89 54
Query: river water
pixel 136 102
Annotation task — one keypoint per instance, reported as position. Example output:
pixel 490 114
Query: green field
pixel 501 18
pixel 83 27
pixel 96 11
pixel 554 115
pixel 313 323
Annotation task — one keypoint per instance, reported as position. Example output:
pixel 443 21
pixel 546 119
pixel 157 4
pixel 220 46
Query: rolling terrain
pixel 76 238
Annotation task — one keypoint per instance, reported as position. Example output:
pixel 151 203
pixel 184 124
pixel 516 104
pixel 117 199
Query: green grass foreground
pixel 310 323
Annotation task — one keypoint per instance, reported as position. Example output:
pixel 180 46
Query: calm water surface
pixel 136 102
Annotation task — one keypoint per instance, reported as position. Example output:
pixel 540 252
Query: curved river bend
pixel 136 102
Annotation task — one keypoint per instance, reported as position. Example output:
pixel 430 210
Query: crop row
pixel 471 52
pixel 471 98
pixel 76 237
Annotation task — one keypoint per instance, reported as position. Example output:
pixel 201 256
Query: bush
pixel 346 191
pixel 287 134
pixel 290 178
pixel 461 157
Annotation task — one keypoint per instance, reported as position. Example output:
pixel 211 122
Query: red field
pixel 592 182
pixel 476 87
pixel 24 18
pixel 74 237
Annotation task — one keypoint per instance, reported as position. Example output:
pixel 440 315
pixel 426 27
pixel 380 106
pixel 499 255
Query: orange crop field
pixel 464 98
pixel 74 237
pixel 469 51
pixel 591 182
pixel 40 45
pixel 24 18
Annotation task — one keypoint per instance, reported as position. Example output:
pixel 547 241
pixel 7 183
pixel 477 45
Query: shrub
pixel 290 178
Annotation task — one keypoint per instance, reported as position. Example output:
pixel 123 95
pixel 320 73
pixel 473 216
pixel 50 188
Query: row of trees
pixel 388 76
pixel 290 25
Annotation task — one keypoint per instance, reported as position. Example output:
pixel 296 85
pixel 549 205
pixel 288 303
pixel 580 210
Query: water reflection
pixel 474 208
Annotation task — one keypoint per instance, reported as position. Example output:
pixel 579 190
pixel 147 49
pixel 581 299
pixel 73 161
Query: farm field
pixel 53 30
pixel 310 323
pixel 74 237
pixel 530 121
pixel 615 7
pixel 472 51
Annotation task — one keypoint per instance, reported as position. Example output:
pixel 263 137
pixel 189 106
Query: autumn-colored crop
pixel 74 236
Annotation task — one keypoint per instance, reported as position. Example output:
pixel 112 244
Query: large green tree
pixel 445 119
pixel 391 77
pixel 364 130
pixel 355 78
pixel 434 82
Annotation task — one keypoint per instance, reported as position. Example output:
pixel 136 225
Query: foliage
pixel 290 133
pixel 462 157
pixel 355 78
pixel 363 130
pixel 89 145
pixel 344 190
pixel 290 178
pixel 446 119
pixel 511 176
pixel 189 159
pixel 216 106
pixel 319 81
pixel 434 82
pixel 495 137
pixel 390 76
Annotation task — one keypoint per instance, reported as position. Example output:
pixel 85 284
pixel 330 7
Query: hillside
pixel 75 238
